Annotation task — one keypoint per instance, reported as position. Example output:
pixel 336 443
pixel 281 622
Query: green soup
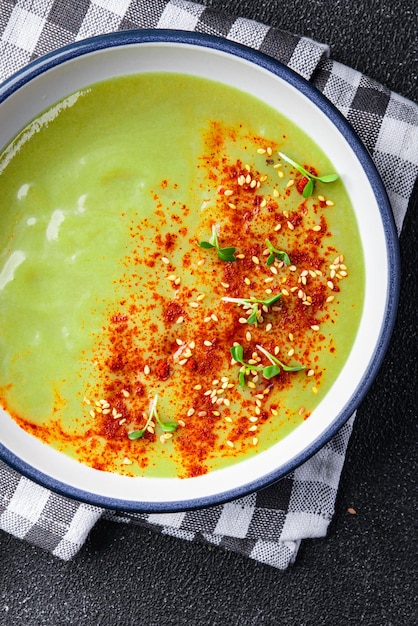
pixel 119 305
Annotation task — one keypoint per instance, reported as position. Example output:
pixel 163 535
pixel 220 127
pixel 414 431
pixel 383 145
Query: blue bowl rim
pixel 134 37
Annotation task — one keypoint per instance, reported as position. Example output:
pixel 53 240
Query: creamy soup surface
pixel 170 302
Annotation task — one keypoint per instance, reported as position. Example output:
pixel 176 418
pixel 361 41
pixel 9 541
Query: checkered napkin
pixel 267 526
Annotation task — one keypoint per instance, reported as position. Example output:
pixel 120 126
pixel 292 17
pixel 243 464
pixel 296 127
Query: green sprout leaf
pixel 253 303
pixel 271 371
pixel 268 371
pixel 167 427
pixel 276 254
pixel 224 254
pixel 136 434
pixel 310 185
pixel 205 244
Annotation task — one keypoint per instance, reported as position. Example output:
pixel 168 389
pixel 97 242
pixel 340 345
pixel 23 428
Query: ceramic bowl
pixel 54 76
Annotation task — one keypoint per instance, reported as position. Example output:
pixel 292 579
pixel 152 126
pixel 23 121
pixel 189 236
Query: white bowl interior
pixel 42 91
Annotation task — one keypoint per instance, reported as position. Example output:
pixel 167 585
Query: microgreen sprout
pixel 274 253
pixel 310 185
pixel 268 371
pixel 168 427
pixel 252 303
pixel 224 254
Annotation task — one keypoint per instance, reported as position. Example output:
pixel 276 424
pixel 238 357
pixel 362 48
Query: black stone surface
pixel 365 570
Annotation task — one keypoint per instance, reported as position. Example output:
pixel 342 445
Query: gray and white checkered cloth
pixel 269 525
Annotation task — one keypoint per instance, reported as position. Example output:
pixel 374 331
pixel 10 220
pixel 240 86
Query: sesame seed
pixel 273 411
pixel 240 256
pixel 122 421
pixel 252 429
pixel 248 179
pixel 228 192
pixel 261 151
pixel 315 327
pixel 125 393
pixel 290 336
pixel 190 412
pixel 330 298
pixel 255 260
pixel 201 297
pixel 276 349
pixel 181 423
pixel 314 390
pixel 165 260
pixel 226 402
pixel 86 401
pixel 214 317
pixel 330 284
pixel 241 180
pixel 201 262
pixel 92 413
pixel 316 228
pixel 269 151
pixel 321 198
pixel 182 361
pixel 277 227
pixel 290 226
pixel 179 342
pixel 180 320
pixel 127 461
pixel 177 281
pixel 247 281
pixel 194 305
pixel 291 352
pixel 255 441
pixel 247 167
pixel 310 373
pixel 251 385
pixel 207 342
pixel 192 345
pixel 202 413
pixel 207 319
pixel 273 269
pixel 269 279
pixel 253 419
pixel 301 410
pixel 269 327
pixel 216 413
pixel 263 203
pixel 290 183
pixel 225 285
pixel 228 419
pixel 162 439
pixel 285 292
pixel 280 174
pixel 232 205
pixel 248 336
pixel 147 370
pixel 292 268
pixel 197 387
pixel 230 444
pixel 242 320
pixel 329 203
pixel 253 184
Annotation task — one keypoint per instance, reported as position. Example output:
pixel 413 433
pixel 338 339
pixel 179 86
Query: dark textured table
pixel 365 571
